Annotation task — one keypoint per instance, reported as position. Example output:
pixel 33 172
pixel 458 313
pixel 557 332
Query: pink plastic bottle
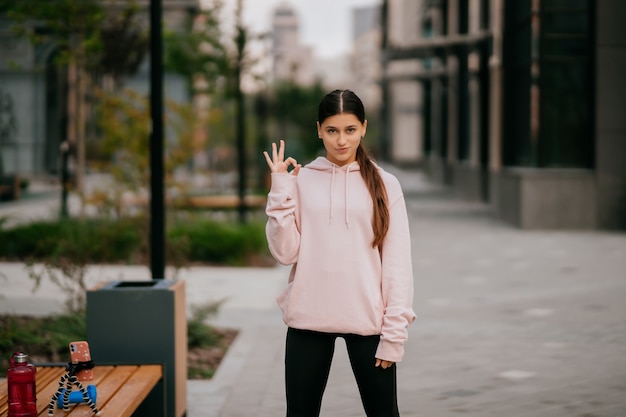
pixel 21 387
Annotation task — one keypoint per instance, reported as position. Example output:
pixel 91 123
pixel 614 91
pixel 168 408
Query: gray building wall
pixel 29 129
pixel 533 195
pixel 22 103
pixel 540 198
pixel 611 113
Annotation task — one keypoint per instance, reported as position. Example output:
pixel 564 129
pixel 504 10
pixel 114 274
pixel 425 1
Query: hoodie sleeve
pixel 283 235
pixel 397 284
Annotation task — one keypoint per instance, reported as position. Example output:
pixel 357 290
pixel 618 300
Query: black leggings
pixel 307 365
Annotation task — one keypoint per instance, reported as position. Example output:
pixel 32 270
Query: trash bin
pixel 143 322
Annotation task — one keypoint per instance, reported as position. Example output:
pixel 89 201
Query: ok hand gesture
pixel 278 163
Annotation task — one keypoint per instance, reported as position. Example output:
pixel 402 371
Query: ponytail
pixel 376 187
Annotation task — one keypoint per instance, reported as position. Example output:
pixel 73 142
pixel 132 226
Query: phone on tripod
pixel 79 352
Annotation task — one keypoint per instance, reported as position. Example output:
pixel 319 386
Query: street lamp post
pixel 157 199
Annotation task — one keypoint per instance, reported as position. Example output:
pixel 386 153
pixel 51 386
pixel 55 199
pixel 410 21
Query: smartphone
pixel 79 352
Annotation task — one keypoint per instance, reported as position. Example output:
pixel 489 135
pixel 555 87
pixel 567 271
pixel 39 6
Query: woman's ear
pixel 364 128
pixel 319 130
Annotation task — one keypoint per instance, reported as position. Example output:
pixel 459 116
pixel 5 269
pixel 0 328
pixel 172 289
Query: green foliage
pixel 72 25
pixel 83 241
pixel 124 123
pixel 121 26
pixel 41 337
pixel 68 276
pixel 83 31
pixel 221 243
pixel 199 50
pixel 295 107
pixel 198 333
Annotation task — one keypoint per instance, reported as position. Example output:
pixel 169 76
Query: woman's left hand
pixel 383 363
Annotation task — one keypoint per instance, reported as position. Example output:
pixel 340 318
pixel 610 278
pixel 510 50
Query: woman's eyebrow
pixel 333 127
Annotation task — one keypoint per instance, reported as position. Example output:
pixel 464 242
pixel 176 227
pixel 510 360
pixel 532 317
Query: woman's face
pixel 341 135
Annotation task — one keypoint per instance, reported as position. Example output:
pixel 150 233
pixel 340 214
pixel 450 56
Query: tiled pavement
pixel 510 323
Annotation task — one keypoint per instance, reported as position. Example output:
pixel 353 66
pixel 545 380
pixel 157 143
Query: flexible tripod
pixel 70 379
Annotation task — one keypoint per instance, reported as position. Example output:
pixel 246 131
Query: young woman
pixel 341 222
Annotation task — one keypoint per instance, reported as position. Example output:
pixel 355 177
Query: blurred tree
pixel 120 26
pixel 73 27
pixel 124 117
pixel 199 53
pixel 87 38
pixel 294 107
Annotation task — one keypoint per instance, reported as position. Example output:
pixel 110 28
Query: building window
pixel 516 149
pixel 566 105
pixel 564 80
pixel 484 14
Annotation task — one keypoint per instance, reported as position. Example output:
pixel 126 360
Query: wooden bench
pixel 224 201
pixel 206 202
pixel 120 389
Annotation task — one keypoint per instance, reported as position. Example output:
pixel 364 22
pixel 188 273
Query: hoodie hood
pixel 322 164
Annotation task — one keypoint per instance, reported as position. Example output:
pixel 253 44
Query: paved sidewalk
pixel 510 323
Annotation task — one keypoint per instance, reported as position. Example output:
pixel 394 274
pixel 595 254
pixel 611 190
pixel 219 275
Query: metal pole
pixel 157 200
pixel 240 115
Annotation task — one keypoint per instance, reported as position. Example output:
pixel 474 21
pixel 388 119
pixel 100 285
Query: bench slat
pixel 106 389
pixel 133 392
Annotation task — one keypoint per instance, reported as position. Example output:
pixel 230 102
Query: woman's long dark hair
pixel 345 101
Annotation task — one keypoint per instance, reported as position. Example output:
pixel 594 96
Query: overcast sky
pixel 326 25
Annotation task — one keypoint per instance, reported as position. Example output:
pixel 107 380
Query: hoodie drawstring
pixel 332 189
pixel 346 204
pixel 347 196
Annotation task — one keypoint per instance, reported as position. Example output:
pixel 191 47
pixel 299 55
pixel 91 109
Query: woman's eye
pixel 351 130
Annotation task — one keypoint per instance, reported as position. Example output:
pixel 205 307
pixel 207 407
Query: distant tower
pixel 291 60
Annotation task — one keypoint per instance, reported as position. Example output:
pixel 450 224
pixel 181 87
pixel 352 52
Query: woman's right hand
pixel 278 164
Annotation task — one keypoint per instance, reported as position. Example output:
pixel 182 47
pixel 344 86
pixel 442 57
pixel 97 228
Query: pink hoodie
pixel 321 222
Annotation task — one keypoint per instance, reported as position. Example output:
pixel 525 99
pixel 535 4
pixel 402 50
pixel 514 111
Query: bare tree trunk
pixel 81 112
pixel 71 113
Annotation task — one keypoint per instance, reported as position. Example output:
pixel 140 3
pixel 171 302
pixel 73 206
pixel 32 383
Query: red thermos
pixel 21 386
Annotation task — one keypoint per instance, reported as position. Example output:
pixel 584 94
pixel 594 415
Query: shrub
pixel 124 240
pixel 86 241
pixel 43 338
pixel 221 243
